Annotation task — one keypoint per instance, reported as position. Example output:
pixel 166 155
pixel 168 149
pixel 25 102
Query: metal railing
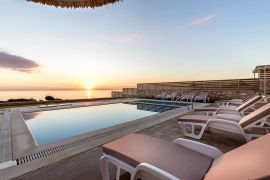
pixel 191 103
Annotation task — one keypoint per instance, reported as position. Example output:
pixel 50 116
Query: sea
pixel 67 94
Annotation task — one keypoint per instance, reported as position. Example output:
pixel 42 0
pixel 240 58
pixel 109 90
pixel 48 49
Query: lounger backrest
pixel 255 116
pixel 248 103
pixel 250 161
pixel 250 96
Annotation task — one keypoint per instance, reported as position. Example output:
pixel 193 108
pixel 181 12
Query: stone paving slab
pixel 5 138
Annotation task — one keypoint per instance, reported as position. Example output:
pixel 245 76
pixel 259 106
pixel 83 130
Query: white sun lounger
pixel 203 96
pixel 235 102
pixel 161 96
pixel 171 96
pixel 230 112
pixel 187 96
pixel 251 126
pixel 150 158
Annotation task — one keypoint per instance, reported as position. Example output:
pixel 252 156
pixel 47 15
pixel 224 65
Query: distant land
pixel 59 88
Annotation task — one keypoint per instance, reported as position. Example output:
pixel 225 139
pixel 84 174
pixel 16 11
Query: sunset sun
pixel 89 85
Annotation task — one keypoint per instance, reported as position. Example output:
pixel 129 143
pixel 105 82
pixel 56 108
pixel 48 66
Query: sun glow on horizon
pixel 90 85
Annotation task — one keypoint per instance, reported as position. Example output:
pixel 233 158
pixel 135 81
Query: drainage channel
pixel 53 150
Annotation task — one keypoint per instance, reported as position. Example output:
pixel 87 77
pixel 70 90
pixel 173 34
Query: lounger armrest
pixel 199 147
pixel 155 171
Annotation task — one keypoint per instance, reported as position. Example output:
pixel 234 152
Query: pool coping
pixel 85 141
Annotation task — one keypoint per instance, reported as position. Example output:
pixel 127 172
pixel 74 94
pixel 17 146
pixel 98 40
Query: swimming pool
pixel 51 126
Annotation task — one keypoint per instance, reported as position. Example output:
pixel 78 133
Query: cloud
pixel 132 38
pixel 17 63
pixel 202 20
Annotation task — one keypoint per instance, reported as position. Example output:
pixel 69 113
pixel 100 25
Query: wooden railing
pixel 129 92
pixel 233 86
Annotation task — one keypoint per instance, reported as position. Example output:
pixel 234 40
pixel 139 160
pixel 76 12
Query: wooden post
pixel 265 81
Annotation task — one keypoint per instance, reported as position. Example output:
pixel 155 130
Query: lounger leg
pixel 105 160
pixel 104 168
pixel 192 134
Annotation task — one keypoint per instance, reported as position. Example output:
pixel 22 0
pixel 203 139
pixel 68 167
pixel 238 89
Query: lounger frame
pixel 221 124
pixel 241 113
pixel 106 159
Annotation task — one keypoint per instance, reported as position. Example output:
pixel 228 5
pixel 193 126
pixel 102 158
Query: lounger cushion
pixel 194 118
pixel 228 111
pixel 228 114
pixel 174 159
pixel 250 161
pixel 214 109
pixel 255 116
pixel 231 117
pixel 206 109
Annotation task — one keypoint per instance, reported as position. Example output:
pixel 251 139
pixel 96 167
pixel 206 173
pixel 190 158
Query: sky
pixel 130 42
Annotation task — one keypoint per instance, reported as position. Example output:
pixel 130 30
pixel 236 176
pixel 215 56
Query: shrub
pixel 49 98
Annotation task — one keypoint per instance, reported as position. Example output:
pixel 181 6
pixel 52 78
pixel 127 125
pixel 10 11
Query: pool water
pixel 51 126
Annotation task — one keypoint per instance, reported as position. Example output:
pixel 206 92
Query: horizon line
pixel 65 89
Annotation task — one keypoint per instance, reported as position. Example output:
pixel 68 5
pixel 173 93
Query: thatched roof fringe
pixel 75 3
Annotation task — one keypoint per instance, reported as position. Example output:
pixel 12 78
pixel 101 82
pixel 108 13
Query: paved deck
pixel 86 164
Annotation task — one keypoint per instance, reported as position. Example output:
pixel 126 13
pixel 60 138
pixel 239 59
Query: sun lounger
pixel 187 96
pixel 231 110
pixel 250 126
pixel 203 96
pixel 171 96
pixel 150 158
pixel 235 102
pixel 162 95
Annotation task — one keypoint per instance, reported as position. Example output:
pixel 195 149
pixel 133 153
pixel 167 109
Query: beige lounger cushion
pixel 250 161
pixel 207 109
pixel 194 118
pixel 175 159
pixel 228 111
pixel 255 116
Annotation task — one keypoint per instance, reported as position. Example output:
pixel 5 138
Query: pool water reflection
pixel 50 126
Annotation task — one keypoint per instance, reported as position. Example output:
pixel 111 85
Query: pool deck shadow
pixel 86 164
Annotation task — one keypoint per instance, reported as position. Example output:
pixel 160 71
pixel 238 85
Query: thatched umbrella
pixel 75 3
